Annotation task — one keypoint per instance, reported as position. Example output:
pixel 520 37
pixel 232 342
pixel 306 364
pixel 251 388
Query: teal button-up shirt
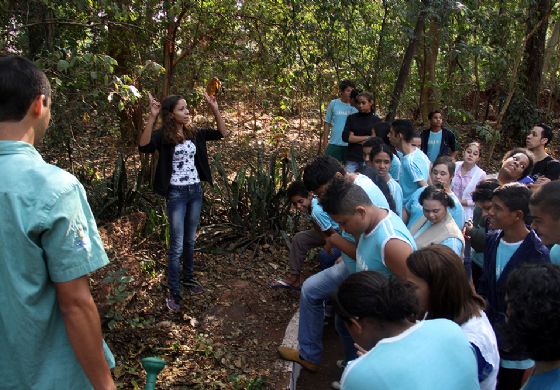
pixel 47 235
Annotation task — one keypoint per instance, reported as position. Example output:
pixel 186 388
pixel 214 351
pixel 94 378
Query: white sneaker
pixel 335 385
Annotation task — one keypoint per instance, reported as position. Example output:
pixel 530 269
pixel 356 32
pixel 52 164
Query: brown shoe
pixel 292 355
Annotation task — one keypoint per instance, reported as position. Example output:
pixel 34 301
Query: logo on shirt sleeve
pixel 81 239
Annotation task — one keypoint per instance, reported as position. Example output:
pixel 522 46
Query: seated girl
pixel 380 158
pixel 379 313
pixel 437 226
pixel 441 173
pixel 444 291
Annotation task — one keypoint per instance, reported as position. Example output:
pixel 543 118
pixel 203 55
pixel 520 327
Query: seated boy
pixel 304 241
pixel 391 258
pixel 506 250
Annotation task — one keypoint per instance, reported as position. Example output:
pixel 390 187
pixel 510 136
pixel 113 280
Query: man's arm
pixel 396 253
pixel 83 327
pixel 348 247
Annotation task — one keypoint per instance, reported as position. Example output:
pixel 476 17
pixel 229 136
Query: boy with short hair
pixel 545 210
pixel 437 140
pixel 506 250
pixel 317 176
pixel 335 119
pixel 304 241
pixel 415 165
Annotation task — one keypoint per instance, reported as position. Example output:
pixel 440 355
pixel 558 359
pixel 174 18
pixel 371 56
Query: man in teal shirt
pixel 51 333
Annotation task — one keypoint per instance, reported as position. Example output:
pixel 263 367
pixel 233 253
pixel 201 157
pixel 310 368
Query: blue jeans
pixel 327 260
pixel 314 291
pixel 183 209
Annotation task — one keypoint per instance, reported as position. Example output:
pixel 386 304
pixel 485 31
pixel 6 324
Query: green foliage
pixel 486 133
pixel 255 197
pixel 241 382
pixel 157 225
pixel 520 117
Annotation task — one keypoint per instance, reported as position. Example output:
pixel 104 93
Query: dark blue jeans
pixel 183 209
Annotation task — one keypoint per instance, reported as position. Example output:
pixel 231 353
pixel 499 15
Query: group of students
pixel 439 276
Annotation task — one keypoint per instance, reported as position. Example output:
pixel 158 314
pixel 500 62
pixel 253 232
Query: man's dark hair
pixel 297 188
pixel 432 113
pixel 533 298
pixel 436 192
pixel 369 294
pixel 382 131
pixel 404 127
pixel 485 190
pixel 342 197
pixel 373 142
pixel 20 83
pixel 547 198
pixel 515 196
pixel 345 84
pixel 546 132
pixel 527 153
pixel 320 171
pixel 354 94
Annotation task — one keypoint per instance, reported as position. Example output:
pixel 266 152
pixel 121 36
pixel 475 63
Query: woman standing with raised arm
pixel 182 165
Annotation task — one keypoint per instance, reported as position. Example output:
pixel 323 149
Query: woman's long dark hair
pixel 451 294
pixel 171 135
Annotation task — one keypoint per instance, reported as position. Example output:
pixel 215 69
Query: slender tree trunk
pixel 406 62
pixel 431 50
pixel 534 50
pixel 376 69
pixel 551 47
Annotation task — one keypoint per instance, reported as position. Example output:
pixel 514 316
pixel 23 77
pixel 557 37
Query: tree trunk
pixel 428 92
pixel 551 47
pixel 534 50
pixel 377 69
pixel 406 62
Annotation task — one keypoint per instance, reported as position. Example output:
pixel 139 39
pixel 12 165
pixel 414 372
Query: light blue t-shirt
pixel 48 235
pixel 549 380
pixel 504 253
pixel 414 209
pixel 452 243
pixel 415 167
pixel 395 169
pixel 555 254
pixel 434 145
pixel 396 192
pixel 433 354
pixel 377 198
pixel 321 218
pixel 348 261
pixel 372 190
pixel 337 111
pixel 370 253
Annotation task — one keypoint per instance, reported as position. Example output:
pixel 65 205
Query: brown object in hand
pixel 213 86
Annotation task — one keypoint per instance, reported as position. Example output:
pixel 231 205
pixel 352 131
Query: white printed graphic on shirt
pixel 184 171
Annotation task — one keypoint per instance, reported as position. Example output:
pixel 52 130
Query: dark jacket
pixel 361 124
pixel 164 166
pixel 532 250
pixel 448 142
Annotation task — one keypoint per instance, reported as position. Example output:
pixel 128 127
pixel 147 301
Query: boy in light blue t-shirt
pixel 384 241
pixel 335 119
pixel 415 165
pixel 303 241
pixel 402 354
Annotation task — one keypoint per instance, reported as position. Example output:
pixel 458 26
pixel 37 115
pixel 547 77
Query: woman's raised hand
pixel 155 106
pixel 211 100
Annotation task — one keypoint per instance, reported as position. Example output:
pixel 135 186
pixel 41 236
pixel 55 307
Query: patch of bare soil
pixel 224 338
